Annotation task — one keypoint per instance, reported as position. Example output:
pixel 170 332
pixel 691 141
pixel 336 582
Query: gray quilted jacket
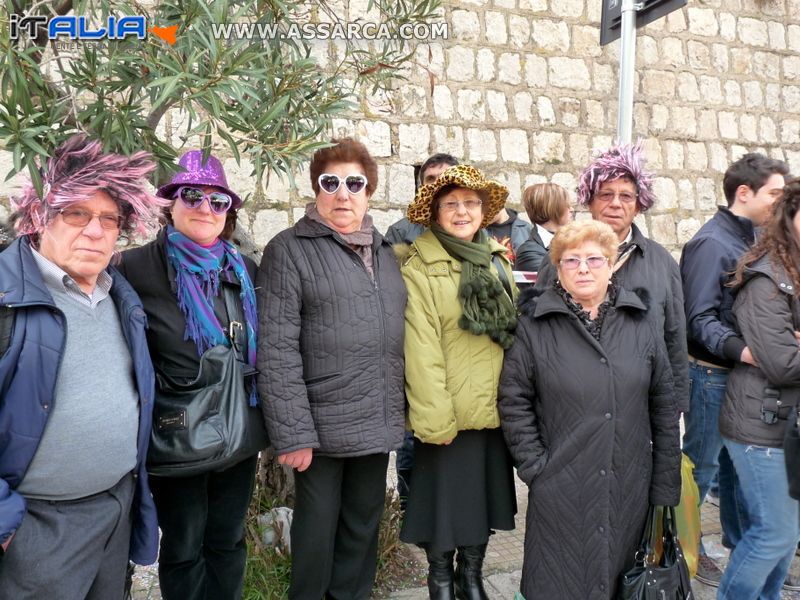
pixel 330 346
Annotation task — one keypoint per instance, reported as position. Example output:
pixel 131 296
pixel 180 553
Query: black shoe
pixel 791 583
pixel 440 575
pixel 707 571
pixel 469 573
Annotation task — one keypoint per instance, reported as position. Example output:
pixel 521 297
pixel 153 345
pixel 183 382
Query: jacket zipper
pixel 376 288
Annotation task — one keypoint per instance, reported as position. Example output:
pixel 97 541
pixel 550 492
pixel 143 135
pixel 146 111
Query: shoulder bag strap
pixel 235 330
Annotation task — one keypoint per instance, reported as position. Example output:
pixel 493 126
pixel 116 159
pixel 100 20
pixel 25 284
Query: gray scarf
pixel 360 241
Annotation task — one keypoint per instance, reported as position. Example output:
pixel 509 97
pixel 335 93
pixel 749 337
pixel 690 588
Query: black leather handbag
pixel 668 579
pixel 791 452
pixel 207 424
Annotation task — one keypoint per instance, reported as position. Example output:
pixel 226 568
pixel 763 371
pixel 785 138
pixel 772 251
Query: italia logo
pixel 79 28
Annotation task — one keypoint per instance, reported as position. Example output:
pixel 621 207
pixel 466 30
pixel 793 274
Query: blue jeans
pixel 760 561
pixel 702 443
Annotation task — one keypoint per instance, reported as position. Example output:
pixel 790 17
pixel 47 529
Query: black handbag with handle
pixel 668 579
pixel 207 424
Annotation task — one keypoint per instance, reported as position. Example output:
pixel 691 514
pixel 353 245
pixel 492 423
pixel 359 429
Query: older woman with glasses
pixel 588 412
pixel 459 320
pixel 182 277
pixel 331 357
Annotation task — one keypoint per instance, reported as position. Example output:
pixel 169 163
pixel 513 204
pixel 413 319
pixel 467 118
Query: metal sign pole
pixel 627 64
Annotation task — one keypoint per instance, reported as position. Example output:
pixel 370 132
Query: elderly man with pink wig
pixel 615 187
pixel 76 382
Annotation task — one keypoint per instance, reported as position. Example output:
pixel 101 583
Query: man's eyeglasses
pixel 193 197
pixel 573 262
pixel 451 205
pixel 330 183
pixel 625 197
pixel 81 218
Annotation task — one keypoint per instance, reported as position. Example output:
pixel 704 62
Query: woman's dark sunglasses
pixel 193 197
pixel 330 183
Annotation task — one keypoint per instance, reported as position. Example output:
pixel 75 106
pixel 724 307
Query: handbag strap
pixel 235 330
pixel 646 546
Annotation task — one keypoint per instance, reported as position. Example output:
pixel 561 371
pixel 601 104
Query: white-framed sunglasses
pixel 330 183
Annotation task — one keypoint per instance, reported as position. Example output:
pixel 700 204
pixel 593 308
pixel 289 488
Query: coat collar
pixel 21 281
pixel 766 267
pixel 738 226
pixel 551 303
pixel 308 228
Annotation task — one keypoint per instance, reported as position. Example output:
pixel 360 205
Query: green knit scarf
pixel 486 307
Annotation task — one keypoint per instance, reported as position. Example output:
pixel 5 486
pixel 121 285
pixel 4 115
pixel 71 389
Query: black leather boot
pixel 469 575
pixel 440 575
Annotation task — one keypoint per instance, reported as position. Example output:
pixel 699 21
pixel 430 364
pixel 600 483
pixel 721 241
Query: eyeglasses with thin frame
pixel 624 197
pixel 330 183
pixel 452 205
pixel 573 262
pixel 78 217
pixel 192 197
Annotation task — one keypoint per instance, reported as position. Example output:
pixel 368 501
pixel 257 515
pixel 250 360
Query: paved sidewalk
pixel 504 561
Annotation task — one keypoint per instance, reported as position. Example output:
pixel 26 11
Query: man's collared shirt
pixel 54 276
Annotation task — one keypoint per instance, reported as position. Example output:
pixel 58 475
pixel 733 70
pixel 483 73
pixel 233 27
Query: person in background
pixel 548 208
pixel 761 399
pixel 76 382
pixel 181 277
pixel 459 320
pixel 752 185
pixel 331 303
pixel 616 188
pixel 509 231
pixel 589 415
pixel 404 231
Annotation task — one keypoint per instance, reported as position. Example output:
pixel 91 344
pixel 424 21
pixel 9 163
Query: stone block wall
pixel 523 90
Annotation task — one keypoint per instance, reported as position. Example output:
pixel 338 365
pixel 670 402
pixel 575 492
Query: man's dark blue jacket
pixel 707 261
pixel 28 372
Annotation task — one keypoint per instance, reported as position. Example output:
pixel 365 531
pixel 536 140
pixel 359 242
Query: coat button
pixel 46 406
pixel 603 360
pixel 601 529
pixel 603 472
pixel 608 416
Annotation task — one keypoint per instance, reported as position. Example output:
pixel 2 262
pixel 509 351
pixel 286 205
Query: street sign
pixel 611 18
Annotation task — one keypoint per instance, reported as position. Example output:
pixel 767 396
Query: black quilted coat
pixel 593 429
pixel 330 345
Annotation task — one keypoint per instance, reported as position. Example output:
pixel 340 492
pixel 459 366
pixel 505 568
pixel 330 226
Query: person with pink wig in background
pixel 615 187
pixel 76 382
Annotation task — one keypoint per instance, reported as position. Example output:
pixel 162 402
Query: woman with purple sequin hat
pixel 196 172
pixel 186 278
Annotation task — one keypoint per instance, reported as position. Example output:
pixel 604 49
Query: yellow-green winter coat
pixel 451 374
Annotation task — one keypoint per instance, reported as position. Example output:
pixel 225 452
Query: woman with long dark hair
pixel 759 403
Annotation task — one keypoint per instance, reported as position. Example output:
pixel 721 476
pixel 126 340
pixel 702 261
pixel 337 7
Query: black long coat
pixel 593 429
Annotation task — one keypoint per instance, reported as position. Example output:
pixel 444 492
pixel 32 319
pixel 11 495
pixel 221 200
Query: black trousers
pixel 338 508
pixel 203 551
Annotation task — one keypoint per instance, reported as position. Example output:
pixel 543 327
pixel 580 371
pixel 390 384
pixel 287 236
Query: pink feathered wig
pixel 76 171
pixel 625 160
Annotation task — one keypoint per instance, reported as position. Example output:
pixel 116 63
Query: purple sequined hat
pixel 196 173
